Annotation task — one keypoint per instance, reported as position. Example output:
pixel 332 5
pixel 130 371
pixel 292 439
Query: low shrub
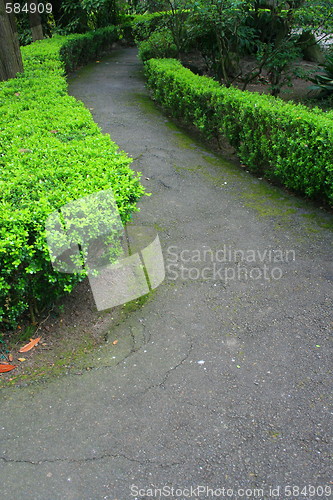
pixel 80 49
pixel 51 153
pixel 285 142
pixel 160 44
pixel 143 25
pixel 323 82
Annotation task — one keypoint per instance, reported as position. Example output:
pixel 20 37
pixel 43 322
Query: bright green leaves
pixel 51 153
pixel 285 142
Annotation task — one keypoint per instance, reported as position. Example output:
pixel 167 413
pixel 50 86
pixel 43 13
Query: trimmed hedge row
pixel 51 153
pixel 285 142
pixel 80 49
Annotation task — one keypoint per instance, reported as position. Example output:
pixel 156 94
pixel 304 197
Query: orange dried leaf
pixel 115 342
pixel 30 345
pixel 21 359
pixel 10 357
pixel 6 368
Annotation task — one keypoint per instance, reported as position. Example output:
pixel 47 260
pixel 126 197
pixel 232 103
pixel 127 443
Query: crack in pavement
pixel 89 459
pixel 168 372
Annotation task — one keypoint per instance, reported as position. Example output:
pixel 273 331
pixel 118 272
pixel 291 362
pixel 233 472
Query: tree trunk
pixel 10 54
pixel 35 22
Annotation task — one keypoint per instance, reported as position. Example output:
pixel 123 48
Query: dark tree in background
pixel 35 22
pixel 10 54
pixel 56 9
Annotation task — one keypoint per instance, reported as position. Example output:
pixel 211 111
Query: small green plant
pixel 160 44
pixel 324 82
pixel 277 60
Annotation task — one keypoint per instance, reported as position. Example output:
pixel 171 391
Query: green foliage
pixel 144 25
pixel 160 44
pixel 285 142
pixel 23 23
pixel 220 32
pixel 176 22
pixel 316 16
pixel 324 82
pixel 224 31
pixel 51 153
pixel 277 60
pixel 79 16
pixel 79 49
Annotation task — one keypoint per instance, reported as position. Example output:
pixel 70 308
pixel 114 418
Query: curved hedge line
pixel 51 152
pixel 285 142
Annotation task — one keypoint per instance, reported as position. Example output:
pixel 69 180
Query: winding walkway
pixel 225 379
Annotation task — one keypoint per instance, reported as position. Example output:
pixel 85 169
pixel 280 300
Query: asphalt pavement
pixel 222 384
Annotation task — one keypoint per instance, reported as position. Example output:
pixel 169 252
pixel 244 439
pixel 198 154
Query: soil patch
pixel 69 331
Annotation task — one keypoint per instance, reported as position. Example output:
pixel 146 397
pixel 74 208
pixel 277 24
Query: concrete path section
pixel 223 387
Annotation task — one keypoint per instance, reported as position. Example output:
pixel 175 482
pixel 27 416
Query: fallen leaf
pixel 21 359
pixel 24 150
pixel 30 345
pixel 10 357
pixel 17 94
pixel 6 368
pixel 115 342
pixel 54 131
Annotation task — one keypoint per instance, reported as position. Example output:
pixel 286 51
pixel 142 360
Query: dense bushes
pixel 160 44
pixel 51 153
pixel 143 25
pixel 79 49
pixel 287 143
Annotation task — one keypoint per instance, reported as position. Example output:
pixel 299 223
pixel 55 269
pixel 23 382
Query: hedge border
pixel 51 153
pixel 285 142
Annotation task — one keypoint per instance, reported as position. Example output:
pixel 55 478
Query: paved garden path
pixel 222 379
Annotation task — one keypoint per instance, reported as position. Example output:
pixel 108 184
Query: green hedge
pixel 80 49
pixel 160 44
pixel 285 142
pixel 51 153
pixel 144 25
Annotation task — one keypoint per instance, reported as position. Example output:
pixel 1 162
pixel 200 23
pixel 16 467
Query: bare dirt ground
pixel 68 331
